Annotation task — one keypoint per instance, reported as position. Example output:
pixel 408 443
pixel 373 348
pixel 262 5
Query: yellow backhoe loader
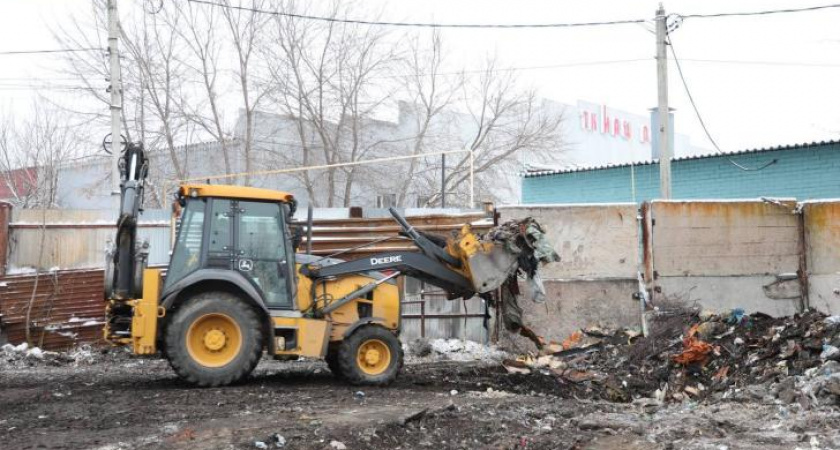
pixel 235 286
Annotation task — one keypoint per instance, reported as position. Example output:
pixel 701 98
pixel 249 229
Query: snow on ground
pixel 452 350
pixel 23 355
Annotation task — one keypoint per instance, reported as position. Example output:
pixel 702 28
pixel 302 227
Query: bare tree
pixel 246 28
pixel 430 93
pixel 328 83
pixel 199 32
pixel 508 122
pixel 323 79
pixel 31 153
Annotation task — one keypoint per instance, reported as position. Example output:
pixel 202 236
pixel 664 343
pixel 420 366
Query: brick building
pixel 802 171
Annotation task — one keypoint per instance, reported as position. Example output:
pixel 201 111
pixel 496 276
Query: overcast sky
pixel 758 81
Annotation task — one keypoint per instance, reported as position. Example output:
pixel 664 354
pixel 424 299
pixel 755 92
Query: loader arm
pixel 417 265
pixel 457 265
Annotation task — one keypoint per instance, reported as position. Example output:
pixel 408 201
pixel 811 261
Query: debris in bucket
pixel 691 355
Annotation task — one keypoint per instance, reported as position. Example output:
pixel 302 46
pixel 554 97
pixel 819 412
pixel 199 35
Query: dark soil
pixel 139 403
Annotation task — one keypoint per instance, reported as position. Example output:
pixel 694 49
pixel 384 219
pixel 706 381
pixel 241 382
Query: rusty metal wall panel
pixel 822 245
pixel 594 241
pixel 727 254
pixel 343 235
pixel 67 309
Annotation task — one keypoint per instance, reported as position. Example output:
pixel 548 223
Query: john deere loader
pixel 235 288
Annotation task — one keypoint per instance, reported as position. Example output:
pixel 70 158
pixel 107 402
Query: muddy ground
pixel 131 403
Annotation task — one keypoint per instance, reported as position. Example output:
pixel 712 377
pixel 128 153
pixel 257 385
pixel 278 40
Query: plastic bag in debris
pixel 537 288
pixel 734 317
pixel 543 250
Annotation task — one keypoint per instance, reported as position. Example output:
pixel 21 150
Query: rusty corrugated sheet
pixel 67 309
pixel 344 235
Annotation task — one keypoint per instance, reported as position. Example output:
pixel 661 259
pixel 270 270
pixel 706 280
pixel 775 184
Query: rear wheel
pixel 214 339
pixel 371 355
pixel 332 361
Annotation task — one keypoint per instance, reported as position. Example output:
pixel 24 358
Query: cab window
pixel 186 256
pixel 261 249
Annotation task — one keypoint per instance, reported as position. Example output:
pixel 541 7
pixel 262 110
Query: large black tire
pixel 332 362
pixel 236 362
pixel 349 364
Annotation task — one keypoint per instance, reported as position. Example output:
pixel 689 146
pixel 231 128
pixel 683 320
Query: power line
pixel 421 24
pixel 763 63
pixel 35 52
pixel 759 13
pixel 703 123
pixel 519 25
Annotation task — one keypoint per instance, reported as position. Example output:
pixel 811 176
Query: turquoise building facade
pixel 804 172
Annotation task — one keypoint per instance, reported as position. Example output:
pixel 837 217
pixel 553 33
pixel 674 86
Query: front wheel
pixel 214 339
pixel 371 355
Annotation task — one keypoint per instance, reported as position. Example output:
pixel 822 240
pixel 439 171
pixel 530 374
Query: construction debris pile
pixel 698 356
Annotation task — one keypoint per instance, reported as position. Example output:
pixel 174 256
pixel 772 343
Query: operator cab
pixel 240 229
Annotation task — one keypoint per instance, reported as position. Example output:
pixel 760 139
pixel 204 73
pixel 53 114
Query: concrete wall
pixel 722 255
pixel 597 276
pixel 822 247
pixel 776 257
pixel 803 172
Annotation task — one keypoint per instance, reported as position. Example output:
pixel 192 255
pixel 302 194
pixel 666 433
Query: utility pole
pixel 472 177
pixel 664 113
pixel 443 180
pixel 116 99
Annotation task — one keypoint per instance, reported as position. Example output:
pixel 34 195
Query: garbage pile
pixel 697 356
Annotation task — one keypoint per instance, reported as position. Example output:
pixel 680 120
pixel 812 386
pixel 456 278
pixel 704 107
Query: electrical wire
pixel 35 52
pixel 703 123
pixel 760 13
pixel 764 63
pixel 421 24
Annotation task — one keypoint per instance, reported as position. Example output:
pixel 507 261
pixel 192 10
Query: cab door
pixel 261 250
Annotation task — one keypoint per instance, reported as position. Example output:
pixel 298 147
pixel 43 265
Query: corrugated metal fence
pixel 76 239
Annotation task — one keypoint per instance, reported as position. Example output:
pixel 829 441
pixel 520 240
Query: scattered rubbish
pixel 359 395
pixel 693 355
pixel 830 352
pixel 338 445
pixel 694 350
pixel 453 392
pixel 278 440
pixel 261 445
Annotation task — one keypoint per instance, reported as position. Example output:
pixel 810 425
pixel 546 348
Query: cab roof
pixel 240 192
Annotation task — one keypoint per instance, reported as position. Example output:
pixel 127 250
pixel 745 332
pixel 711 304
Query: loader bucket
pixel 491 266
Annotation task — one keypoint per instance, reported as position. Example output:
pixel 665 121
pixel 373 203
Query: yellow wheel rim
pixel 214 340
pixel 374 357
